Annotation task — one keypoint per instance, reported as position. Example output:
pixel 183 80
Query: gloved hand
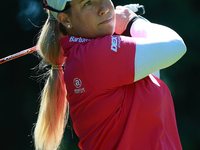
pixel 123 16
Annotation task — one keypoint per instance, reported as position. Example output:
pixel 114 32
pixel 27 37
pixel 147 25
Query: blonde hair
pixel 53 113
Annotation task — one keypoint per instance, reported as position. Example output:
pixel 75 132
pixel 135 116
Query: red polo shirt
pixel 108 109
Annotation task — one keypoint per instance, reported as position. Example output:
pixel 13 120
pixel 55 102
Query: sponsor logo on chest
pixel 78 39
pixel 78 83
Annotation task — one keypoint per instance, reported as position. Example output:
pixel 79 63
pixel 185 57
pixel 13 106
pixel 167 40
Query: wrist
pixel 128 27
pixel 123 17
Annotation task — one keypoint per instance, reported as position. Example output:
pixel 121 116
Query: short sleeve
pixel 109 61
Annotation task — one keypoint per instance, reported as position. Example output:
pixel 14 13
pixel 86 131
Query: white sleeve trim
pixel 157 47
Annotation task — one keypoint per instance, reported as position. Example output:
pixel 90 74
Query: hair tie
pixel 57 67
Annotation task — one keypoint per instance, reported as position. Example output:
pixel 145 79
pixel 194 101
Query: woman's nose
pixel 103 9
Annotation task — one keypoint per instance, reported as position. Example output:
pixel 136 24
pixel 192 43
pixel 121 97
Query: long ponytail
pixel 53 111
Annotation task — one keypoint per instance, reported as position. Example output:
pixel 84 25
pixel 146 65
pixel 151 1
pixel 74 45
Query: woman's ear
pixel 65 20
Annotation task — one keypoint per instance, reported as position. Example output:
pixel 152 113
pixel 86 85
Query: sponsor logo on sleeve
pixel 115 43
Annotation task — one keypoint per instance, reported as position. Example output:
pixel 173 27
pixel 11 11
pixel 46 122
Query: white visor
pixel 57 4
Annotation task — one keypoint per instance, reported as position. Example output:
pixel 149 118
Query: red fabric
pixel 109 111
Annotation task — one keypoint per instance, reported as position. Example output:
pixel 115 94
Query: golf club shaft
pixel 19 54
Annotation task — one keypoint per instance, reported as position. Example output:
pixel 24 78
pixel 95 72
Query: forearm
pixel 145 29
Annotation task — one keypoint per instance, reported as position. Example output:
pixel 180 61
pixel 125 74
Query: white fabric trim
pixel 157 47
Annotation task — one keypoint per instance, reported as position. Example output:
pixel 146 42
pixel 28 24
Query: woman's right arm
pixel 157 47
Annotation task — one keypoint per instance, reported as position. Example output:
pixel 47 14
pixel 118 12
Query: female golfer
pixel 105 79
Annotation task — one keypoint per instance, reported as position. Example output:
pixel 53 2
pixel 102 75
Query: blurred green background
pixel 20 88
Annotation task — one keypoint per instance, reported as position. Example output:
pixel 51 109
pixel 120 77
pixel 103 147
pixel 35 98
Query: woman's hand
pixel 123 16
